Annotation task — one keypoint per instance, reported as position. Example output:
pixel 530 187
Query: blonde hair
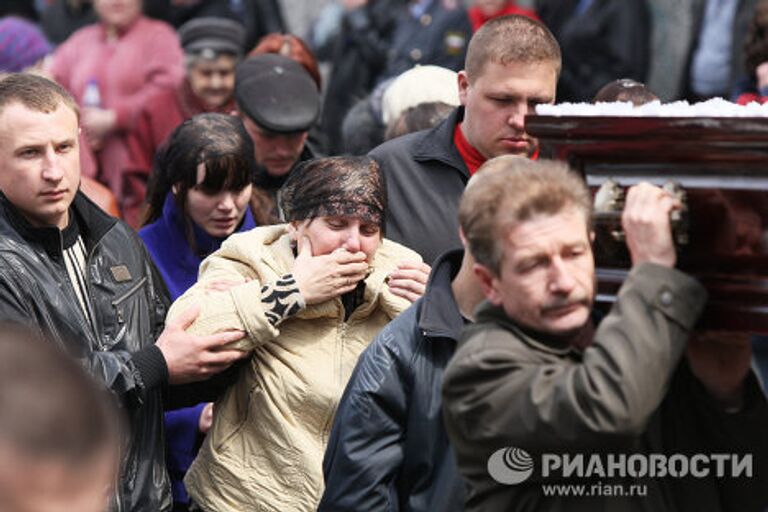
pixel 511 39
pixel 35 93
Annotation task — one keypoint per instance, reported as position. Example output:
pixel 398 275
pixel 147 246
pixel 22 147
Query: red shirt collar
pixel 473 159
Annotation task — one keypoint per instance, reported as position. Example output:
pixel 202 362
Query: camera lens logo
pixel 510 466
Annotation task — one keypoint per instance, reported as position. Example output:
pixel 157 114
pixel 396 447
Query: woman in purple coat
pixel 198 196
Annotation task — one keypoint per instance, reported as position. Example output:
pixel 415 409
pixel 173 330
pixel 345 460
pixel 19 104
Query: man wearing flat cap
pixel 212 48
pixel 279 102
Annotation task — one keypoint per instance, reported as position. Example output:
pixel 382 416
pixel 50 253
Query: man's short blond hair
pixel 508 190
pixel 511 39
pixel 35 93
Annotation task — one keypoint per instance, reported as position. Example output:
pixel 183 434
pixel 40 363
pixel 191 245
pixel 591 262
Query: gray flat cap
pixel 212 36
pixel 277 93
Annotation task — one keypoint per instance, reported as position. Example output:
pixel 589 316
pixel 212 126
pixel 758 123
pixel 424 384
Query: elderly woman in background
pixel 199 195
pixel 212 49
pixel 310 295
pixel 112 68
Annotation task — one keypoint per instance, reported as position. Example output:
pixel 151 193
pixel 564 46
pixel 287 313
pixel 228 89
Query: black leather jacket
pixel 388 448
pixel 128 302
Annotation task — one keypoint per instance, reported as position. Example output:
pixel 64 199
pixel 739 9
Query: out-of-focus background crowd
pixel 687 49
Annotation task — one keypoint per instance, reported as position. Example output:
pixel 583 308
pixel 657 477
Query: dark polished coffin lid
pixel 720 162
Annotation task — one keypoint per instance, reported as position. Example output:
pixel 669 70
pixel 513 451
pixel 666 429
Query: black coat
pixel 359 56
pixel 388 448
pixel 425 177
pixel 610 40
pixel 259 17
pixel 128 301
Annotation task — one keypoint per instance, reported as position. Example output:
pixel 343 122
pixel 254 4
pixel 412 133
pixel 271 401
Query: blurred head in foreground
pixel 59 431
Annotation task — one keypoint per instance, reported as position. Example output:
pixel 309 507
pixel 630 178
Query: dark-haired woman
pixel 311 295
pixel 198 196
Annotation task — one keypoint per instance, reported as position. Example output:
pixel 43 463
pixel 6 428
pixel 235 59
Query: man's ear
pixel 591 237
pixel 463 239
pixel 463 84
pixel 487 281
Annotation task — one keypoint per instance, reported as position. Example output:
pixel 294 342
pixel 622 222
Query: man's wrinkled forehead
pixel 570 223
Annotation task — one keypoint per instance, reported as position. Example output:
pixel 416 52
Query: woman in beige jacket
pixel 309 295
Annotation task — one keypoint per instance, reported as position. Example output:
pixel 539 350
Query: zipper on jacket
pixel 133 289
pixel 340 353
pixel 88 287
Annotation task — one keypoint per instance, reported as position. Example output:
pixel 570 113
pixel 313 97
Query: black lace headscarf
pixel 350 186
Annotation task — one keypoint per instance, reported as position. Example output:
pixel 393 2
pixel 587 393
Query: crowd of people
pixel 242 269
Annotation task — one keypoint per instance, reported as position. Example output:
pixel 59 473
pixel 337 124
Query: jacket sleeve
pixel 364 32
pixel 239 308
pixel 127 374
pixel 498 393
pixel 365 450
pixel 608 41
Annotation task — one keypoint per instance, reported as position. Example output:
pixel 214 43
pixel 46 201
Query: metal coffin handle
pixel 609 204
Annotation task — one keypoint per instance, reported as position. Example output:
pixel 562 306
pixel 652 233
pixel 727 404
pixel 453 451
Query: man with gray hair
pixel 534 377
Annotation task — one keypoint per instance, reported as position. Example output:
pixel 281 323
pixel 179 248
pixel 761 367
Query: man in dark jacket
pixel 84 280
pixel 533 384
pixel 388 448
pixel 512 65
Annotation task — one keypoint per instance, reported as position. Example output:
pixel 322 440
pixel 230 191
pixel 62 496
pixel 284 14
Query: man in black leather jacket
pixel 84 280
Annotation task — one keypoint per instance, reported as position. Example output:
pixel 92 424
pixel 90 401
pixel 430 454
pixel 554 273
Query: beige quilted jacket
pixel 265 449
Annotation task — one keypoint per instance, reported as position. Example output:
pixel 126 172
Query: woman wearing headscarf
pixel 310 295
pixel 198 196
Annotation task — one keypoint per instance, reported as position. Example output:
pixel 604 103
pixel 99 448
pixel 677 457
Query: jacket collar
pixel 488 313
pixel 437 144
pixel 440 316
pixel 205 243
pixel 92 221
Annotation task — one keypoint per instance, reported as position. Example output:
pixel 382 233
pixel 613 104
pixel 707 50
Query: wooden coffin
pixel 722 166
